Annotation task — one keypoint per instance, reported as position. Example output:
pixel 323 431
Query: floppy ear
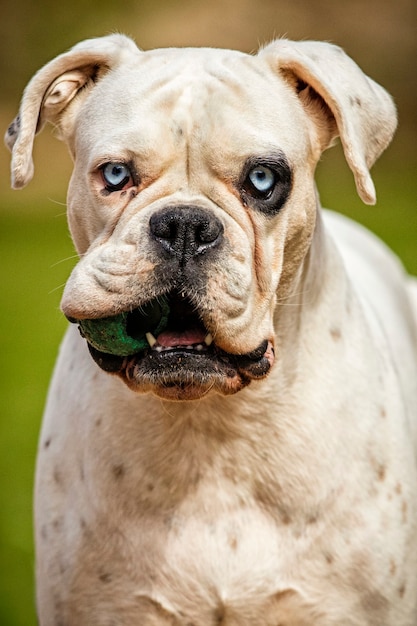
pixel 363 111
pixel 63 82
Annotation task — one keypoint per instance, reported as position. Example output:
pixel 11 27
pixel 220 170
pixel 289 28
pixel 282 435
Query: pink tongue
pixel 173 338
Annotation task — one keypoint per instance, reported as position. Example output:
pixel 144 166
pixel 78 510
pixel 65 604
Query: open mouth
pixel 164 347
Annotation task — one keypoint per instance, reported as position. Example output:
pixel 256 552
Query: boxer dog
pixel 231 438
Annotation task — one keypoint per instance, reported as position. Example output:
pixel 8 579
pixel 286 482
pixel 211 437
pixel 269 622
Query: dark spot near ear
pixel 401 590
pixel 312 519
pixel 118 470
pixel 98 421
pixel 14 126
pixel 150 486
pixel 47 443
pixel 355 101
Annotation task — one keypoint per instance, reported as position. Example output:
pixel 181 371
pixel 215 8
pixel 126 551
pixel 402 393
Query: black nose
pixel 185 231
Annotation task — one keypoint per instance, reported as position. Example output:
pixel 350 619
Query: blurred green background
pixel 36 251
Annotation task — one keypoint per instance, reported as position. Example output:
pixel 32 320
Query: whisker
pixel 281 301
pixel 58 202
pixel 68 258
pixel 61 286
pixel 297 304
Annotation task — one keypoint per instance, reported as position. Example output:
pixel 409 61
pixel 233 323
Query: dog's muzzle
pixel 163 346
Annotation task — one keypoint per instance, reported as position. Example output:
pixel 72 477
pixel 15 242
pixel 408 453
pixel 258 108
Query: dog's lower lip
pixel 188 371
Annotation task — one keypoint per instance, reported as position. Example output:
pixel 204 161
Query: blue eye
pixel 116 175
pixel 266 182
pixel 262 179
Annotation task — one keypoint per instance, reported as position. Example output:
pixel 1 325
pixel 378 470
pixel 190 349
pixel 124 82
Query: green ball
pixel 124 334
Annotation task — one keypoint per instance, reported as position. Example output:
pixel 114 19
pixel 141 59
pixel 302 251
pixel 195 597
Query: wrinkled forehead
pixel 204 95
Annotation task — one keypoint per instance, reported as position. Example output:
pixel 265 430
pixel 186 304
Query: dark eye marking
pixel 265 183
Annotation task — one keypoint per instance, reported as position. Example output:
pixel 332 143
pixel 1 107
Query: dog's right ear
pixel 342 99
pixel 55 93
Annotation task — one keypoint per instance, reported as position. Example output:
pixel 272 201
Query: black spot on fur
pixel 14 127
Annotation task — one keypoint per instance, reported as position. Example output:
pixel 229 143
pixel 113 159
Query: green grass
pixel 32 241
pixel 31 326
pixel 393 218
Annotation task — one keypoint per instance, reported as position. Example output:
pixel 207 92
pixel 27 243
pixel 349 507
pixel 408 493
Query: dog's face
pixel 183 187
pixel 192 186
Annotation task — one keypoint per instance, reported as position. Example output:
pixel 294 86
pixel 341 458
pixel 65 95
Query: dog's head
pixel 192 202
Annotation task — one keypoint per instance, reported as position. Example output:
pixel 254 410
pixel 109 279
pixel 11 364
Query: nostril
pixel 209 231
pixel 164 227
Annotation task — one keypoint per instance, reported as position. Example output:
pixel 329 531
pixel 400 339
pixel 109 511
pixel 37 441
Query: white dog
pixel 248 454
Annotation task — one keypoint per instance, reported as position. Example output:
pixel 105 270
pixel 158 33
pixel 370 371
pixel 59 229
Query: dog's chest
pixel 225 569
pixel 230 564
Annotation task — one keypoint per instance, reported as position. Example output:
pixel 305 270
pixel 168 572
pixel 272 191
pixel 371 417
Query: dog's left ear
pixel 55 92
pixel 359 110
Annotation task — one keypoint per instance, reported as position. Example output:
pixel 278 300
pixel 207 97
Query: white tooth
pixel 209 339
pixel 150 339
pixel 199 347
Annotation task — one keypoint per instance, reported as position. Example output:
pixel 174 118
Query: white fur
pixel 294 500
